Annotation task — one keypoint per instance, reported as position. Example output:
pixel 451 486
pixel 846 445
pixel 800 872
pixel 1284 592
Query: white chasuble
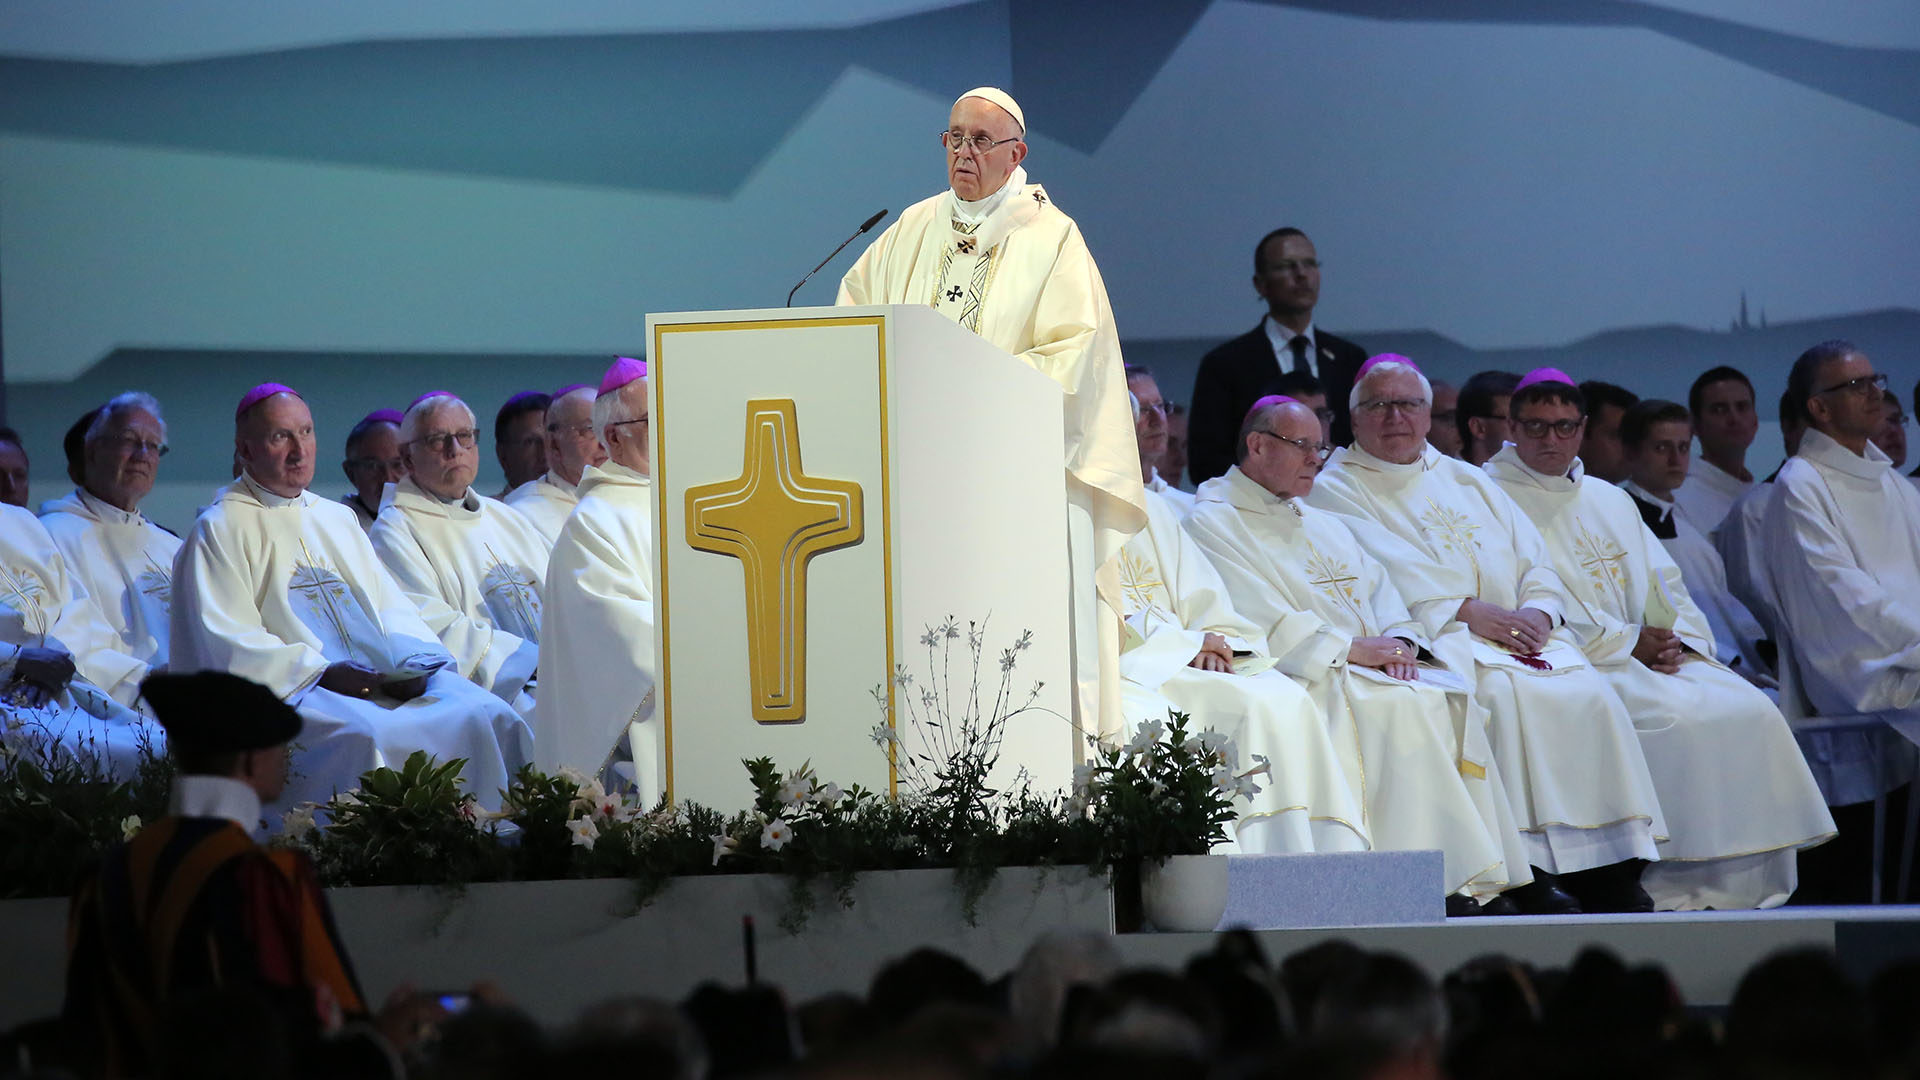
pixel 476 569
pixel 1173 598
pixel 597 634
pixel 1574 770
pixel 1412 751
pixel 44 605
pixel 1738 543
pixel 1842 544
pixel 276 589
pixel 126 564
pixel 545 500
pixel 1708 494
pixel 1735 789
pixel 1020 276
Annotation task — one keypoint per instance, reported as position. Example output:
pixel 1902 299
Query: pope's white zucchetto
pixel 998 97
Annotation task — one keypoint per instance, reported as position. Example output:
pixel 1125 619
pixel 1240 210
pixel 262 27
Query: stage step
pixel 1317 891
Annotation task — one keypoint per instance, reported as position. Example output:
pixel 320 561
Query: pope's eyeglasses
pixel 955 141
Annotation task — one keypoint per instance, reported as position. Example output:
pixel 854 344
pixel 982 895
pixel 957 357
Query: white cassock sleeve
pixel 216 624
pixel 1861 639
pixel 1163 554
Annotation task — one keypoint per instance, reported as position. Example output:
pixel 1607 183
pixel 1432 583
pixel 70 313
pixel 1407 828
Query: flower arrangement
pixel 1165 792
pixel 60 806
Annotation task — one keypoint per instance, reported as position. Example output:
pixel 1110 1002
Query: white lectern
pixel 832 482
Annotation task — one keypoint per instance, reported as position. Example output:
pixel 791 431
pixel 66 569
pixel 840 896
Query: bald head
pixel 572 444
pixel 273 441
pixel 1280 448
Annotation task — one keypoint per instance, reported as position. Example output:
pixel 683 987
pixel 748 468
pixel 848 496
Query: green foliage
pixel 61 810
pixel 413 826
pixel 1164 793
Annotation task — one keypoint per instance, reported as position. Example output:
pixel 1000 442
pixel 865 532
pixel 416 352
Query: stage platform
pixel 558 946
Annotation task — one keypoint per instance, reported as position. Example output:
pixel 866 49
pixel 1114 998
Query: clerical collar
pixel 973 213
pixel 268 498
pixel 409 491
pixel 1362 459
pixel 1822 448
pixel 1508 461
pixel 194 795
pixel 1665 506
pixel 105 510
pixel 1252 495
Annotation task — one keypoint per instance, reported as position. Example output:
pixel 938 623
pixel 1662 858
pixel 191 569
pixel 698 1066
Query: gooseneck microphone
pixel 868 224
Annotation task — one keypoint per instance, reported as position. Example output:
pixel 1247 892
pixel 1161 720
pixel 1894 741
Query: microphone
pixel 868 224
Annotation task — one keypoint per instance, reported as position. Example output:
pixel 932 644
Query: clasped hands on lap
pixel 1526 631
pixel 1214 655
pixel 356 680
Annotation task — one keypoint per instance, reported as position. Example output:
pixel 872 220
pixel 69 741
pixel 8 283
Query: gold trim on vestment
pixel 657 390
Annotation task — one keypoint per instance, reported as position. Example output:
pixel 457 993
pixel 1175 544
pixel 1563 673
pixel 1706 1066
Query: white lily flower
pixel 129 826
pixel 723 846
pixel 612 808
pixel 1224 781
pixel 298 822
pixel 1144 737
pixel 884 735
pixel 828 795
pixel 1083 775
pixel 584 831
pixel 776 835
pixel 571 775
pixel 1245 788
pixel 795 791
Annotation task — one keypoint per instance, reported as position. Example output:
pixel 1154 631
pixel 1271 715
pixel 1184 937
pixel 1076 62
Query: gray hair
pixel 119 405
pixel 1383 368
pixel 425 407
pixel 613 408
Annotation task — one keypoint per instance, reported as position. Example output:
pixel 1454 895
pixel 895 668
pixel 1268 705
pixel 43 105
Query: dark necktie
pixel 1298 345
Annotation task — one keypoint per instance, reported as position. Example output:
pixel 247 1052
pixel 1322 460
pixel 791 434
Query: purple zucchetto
pixel 1383 358
pixel 261 393
pixel 625 369
pixel 568 389
pixel 1543 374
pixel 1265 402
pixel 387 416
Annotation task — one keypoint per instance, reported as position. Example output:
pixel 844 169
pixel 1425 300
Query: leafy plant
pixel 60 807
pixel 411 826
pixel 1164 793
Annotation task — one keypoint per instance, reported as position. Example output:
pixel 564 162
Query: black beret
pixel 212 712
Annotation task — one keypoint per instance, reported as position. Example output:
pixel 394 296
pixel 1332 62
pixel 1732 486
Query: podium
pixel 833 486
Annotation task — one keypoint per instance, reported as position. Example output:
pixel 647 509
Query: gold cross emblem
pixel 774 518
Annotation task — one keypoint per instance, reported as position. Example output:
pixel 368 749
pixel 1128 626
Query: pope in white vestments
pixel 63 674
pixel 1189 651
pixel 473 565
pixel 1842 543
pixel 572 445
pixel 1735 790
pixel 1460 551
pixel 596 700
pixel 995 255
pixel 1334 622
pixel 124 560
pixel 280 586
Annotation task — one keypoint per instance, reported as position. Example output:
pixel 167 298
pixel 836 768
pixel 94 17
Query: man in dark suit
pixel 1286 274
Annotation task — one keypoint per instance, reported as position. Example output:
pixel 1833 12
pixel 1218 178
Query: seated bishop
pixel 1461 552
pixel 277 585
pixel 124 560
pixel 1334 623
pixel 572 445
pixel 596 702
pixel 64 676
pixel 473 565
pixel 1187 650
pixel 1842 542
pixel 1736 792
pixel 1655 437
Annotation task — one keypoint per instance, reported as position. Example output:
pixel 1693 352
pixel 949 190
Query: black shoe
pixel 1500 904
pixel 1544 896
pixel 1462 906
pixel 1612 889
